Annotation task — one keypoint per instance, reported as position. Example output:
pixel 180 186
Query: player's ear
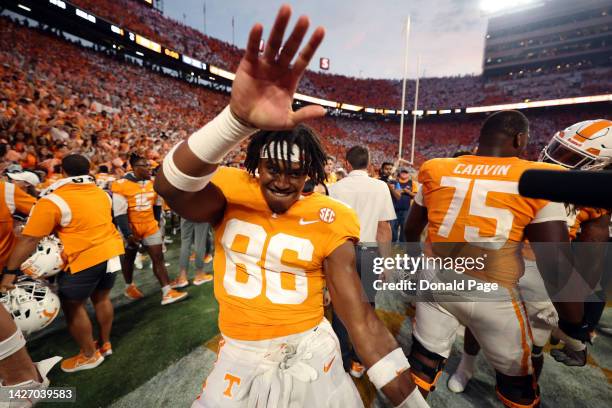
pixel 520 140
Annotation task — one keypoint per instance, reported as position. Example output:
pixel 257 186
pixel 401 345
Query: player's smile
pixel 281 187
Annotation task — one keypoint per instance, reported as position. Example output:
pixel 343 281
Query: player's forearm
pixel 123 224
pixel 25 247
pixel 189 166
pixel 157 210
pixel 383 232
pixel 370 337
pixel 372 342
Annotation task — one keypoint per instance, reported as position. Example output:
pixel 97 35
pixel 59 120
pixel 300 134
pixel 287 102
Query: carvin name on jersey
pixel 482 169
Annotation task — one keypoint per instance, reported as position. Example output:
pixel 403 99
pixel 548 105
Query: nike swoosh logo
pixel 327 366
pixel 302 222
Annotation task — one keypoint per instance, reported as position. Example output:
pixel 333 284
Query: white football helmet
pixel 32 304
pixel 46 261
pixel 583 146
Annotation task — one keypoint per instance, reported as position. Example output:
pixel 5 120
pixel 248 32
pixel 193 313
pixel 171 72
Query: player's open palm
pixel 262 92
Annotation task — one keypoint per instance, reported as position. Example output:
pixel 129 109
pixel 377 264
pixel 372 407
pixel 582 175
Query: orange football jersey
pixel 475 200
pixel 269 273
pixel 140 198
pixel 81 216
pixel 12 199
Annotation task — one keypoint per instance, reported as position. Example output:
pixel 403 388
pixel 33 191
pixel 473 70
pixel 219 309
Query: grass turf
pixel 146 338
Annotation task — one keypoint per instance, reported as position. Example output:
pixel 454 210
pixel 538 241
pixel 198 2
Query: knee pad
pixel 12 344
pixel 517 391
pixel 425 367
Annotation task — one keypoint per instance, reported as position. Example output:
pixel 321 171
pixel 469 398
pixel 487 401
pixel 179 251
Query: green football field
pixel 146 338
pixel 163 354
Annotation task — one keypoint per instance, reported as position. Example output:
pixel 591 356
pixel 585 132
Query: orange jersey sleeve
pixel 23 201
pixel 269 273
pixel 44 218
pixel 12 199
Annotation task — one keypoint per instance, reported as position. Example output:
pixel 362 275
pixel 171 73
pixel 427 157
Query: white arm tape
pixel 414 400
pixel 13 344
pixel 387 368
pixel 218 137
pixel 180 180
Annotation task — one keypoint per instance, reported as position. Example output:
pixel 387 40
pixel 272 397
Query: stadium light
pixel 499 6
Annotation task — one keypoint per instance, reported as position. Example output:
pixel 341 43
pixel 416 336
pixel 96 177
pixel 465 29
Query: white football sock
pixel 465 371
pixel 166 289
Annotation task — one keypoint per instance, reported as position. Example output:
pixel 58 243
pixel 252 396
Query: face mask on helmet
pixel 32 304
pixel 583 146
pixel 46 261
pixel 565 156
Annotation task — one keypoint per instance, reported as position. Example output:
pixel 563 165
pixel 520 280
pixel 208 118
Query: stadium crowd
pixel 434 93
pixel 122 119
pixel 55 103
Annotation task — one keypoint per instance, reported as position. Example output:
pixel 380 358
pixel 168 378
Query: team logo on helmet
pixel 32 304
pixel 46 261
pixel 585 145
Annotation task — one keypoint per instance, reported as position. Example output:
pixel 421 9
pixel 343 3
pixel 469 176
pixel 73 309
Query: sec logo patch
pixel 327 215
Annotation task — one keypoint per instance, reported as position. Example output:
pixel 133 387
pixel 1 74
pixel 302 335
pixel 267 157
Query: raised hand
pixel 262 92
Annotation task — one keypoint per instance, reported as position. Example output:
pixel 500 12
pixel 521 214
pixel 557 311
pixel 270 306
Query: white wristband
pixel 180 180
pixel 414 400
pixel 212 142
pixel 387 368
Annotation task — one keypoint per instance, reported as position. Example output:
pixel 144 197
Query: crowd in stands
pixel 77 99
pixel 434 93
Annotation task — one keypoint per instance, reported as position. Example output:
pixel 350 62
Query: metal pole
pixel 204 9
pixel 414 116
pixel 401 132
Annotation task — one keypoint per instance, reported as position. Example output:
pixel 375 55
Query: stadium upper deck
pixel 553 36
pixel 72 98
pixel 434 93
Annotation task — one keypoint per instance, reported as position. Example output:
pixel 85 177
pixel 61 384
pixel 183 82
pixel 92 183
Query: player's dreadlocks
pixel 312 154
